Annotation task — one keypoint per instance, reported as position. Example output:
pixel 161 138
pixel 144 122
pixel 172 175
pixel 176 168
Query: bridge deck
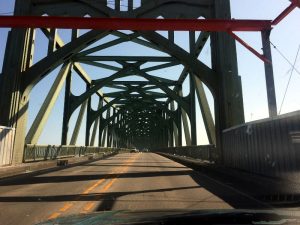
pixel 131 181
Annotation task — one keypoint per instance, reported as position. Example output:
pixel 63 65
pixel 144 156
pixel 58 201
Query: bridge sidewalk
pixel 46 166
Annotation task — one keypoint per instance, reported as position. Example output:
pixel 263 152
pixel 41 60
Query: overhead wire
pixel 288 84
pixel 286 59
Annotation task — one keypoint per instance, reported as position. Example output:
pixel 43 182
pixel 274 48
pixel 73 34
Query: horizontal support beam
pixel 133 24
pixel 131 82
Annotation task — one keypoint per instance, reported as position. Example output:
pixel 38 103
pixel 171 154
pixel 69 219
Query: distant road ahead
pixel 133 181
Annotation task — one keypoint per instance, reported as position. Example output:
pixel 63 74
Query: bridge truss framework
pixel 134 115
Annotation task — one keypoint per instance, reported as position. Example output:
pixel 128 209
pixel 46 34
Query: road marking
pixel 88 206
pixel 54 215
pixel 93 186
pixel 62 209
pixel 109 184
pixel 66 207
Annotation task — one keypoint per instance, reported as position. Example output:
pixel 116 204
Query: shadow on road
pixel 218 187
pixel 83 197
pixel 89 177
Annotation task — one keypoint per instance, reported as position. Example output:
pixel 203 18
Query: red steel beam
pixel 287 11
pixel 134 24
pixel 237 38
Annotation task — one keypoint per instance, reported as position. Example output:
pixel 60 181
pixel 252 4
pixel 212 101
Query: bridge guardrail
pixel 48 152
pixel 7 135
pixel 270 146
pixel 203 152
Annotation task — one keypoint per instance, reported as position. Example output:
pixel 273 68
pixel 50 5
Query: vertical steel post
pixel 179 119
pixel 272 105
pixel 228 96
pixel 66 116
pixel 88 115
pixel 185 124
pixel 14 99
pixel 192 100
pixel 52 41
pixel 192 116
pixel 117 5
pixel 101 131
pixel 100 104
pixel 78 124
pixel 105 132
pixel 130 5
pixel 175 128
pixel 171 131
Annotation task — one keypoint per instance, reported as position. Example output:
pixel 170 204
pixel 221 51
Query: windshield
pixel 141 105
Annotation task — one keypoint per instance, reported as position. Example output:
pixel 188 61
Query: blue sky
pixel 286 36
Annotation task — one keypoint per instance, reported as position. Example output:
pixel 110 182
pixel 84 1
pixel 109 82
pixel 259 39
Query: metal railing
pixel 7 135
pixel 48 152
pixel 270 146
pixel 203 152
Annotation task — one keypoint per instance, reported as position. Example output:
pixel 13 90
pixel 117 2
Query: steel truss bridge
pixel 136 114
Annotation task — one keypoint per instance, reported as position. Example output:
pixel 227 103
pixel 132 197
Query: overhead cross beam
pixel 142 24
pixel 133 24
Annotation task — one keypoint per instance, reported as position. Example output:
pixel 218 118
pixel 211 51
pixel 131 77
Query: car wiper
pixel 215 217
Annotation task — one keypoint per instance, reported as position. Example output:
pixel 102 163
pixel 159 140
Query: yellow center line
pixel 93 186
pixel 54 215
pixel 90 205
pixel 66 207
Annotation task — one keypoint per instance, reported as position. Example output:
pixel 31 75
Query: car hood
pixel 180 217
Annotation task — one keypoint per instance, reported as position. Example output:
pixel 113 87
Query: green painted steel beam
pixel 78 123
pixel 95 128
pixel 107 45
pixel 96 86
pixel 125 58
pixel 76 66
pixel 175 129
pixel 44 112
pixel 165 88
pixel 185 123
pixel 205 111
pixel 159 67
pixel 136 40
pixel 99 112
pixel 115 86
pixel 46 65
pixel 101 65
pixel 192 96
pixel 206 74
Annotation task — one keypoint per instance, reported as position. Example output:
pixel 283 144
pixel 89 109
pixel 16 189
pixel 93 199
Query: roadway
pixel 132 181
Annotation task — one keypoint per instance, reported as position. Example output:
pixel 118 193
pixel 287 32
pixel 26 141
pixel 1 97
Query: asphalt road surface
pixel 132 181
